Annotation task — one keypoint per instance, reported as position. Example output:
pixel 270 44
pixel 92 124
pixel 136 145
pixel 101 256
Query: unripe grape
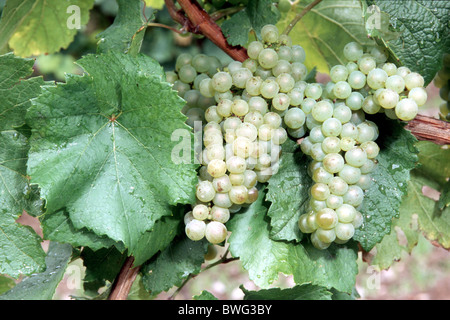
pixel 294 118
pixel 205 191
pixel 322 110
pixel 215 232
pixel 326 218
pixel 338 186
pixel 254 48
pixel 268 58
pixel 220 214
pixel 222 184
pixel 222 81
pixel 377 78
pixel 353 51
pixel 200 212
pixel 344 231
pixel 269 33
pixel 195 230
pixel 238 194
pixel 406 109
pixel 419 95
pixel 333 162
pixel 217 168
pixel 320 191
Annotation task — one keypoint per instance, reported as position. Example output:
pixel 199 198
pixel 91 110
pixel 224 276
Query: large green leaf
pixel 21 251
pixel 105 155
pixel 265 258
pixel 419 212
pixel 397 157
pixel 34 27
pixel 325 30
pixel 288 192
pixel 42 286
pixel 424 33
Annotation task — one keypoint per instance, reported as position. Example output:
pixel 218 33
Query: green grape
pixel 269 33
pixel 350 174
pixel 338 186
pixel 366 64
pixel 320 191
pixel 238 194
pixel 338 73
pixel 215 232
pixel 268 58
pixel 331 127
pixel 254 48
pixel 322 110
pixel 333 162
pixel 342 90
pixel 326 218
pixel 282 66
pixel 200 212
pixel 298 54
pixel 344 231
pixel 220 214
pixel 294 118
pixel 195 230
pixel 376 78
pixel 269 88
pixel 281 101
pixel 356 157
pixel 419 95
pixel 326 236
pixel 313 91
pixel 353 51
pixel 406 109
pixel 222 81
pixel 205 191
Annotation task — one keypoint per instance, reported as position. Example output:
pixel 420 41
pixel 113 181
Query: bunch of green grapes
pixel 254 105
pixel 341 141
pixel 442 81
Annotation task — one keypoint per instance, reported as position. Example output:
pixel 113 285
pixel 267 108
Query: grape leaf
pixel 106 155
pixel 264 258
pixel 253 17
pixel 156 4
pixel 34 27
pixel 21 249
pixel 58 227
pixel 126 32
pixel 204 295
pixel 424 29
pixel 180 259
pixel 397 157
pixel 325 30
pixel 301 292
pixel 286 207
pixel 42 286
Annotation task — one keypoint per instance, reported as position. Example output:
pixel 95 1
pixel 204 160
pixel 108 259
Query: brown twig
pixel 430 129
pixel 196 20
pixel 300 15
pixel 124 280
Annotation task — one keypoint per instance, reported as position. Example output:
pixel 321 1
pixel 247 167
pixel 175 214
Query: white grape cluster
pixel 378 86
pixel 442 81
pixel 244 127
pixel 341 141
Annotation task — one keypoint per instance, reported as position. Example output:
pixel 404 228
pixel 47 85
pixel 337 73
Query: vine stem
pixel 300 15
pixel 196 20
pixel 124 280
